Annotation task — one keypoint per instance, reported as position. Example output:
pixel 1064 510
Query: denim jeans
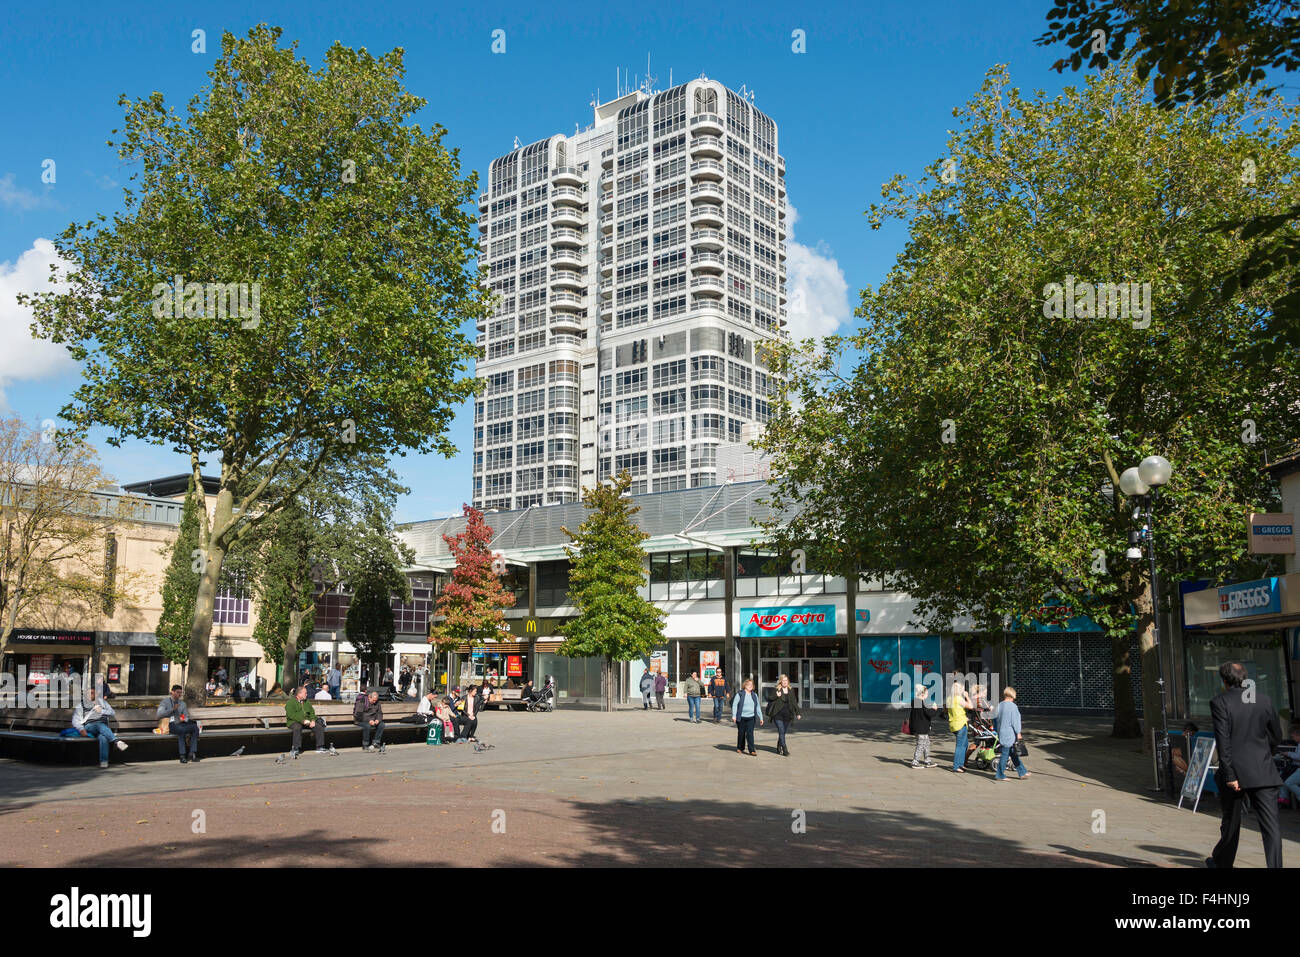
pixel 645 700
pixel 782 726
pixel 186 731
pixel 377 730
pixel 959 759
pixel 693 707
pixel 1009 750
pixel 334 692
pixel 1291 787
pixel 717 708
pixel 101 730
pixel 745 733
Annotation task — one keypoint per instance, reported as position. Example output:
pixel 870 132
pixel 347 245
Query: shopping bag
pixel 435 733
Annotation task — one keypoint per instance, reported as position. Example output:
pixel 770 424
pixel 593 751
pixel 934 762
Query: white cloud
pixel 818 294
pixel 21 356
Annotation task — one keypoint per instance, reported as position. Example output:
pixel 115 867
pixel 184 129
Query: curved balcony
pixel 707 123
pixel 708 286
pixel 568 278
pixel 566 216
pixel 566 339
pixel 606 179
pixel 567 175
pixel 566 257
pixel 707 238
pixel 710 262
pixel 607 200
pixel 567 321
pixel 607 267
pixel 567 237
pixel 706 190
pixel 567 194
pixel 607 158
pixel 707 307
pixel 706 145
pixel 706 169
pixel 709 214
pixel 565 300
pixel 780 187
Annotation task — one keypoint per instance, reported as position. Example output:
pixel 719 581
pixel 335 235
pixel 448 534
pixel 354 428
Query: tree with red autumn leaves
pixel 471 602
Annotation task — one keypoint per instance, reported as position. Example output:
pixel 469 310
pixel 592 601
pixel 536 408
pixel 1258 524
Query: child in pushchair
pixel 542 699
pixel 982 741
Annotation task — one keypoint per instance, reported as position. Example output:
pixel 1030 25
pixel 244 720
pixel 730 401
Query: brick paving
pixel 578 788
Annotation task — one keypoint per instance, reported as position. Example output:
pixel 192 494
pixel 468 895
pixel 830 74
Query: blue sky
pixel 872 96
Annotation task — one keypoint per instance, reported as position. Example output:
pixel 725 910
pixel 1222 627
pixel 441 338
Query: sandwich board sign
pixel 1198 767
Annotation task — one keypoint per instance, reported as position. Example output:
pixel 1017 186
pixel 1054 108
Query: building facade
pixel 638 268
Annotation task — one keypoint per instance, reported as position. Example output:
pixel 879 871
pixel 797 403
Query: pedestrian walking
pixel 719 691
pixel 919 722
pixel 1246 730
pixel 334 680
pixel 958 702
pixel 784 711
pixel 745 712
pixel 694 691
pixel 661 685
pixel 1006 722
pixel 647 686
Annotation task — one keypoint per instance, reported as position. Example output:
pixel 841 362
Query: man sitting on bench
pixel 180 724
pixel 299 714
pixel 369 716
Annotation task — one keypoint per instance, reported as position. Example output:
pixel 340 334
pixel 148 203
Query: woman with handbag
pixel 1006 719
pixel 783 709
pixel 918 724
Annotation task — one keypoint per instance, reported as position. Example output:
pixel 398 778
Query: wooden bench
pixel 259 729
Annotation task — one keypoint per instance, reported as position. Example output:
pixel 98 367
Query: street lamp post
pixel 1143 484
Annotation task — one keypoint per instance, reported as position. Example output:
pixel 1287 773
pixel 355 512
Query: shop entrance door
pixel 830 683
pixel 797 669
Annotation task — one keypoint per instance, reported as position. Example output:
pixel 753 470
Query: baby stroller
pixel 984 739
pixel 543 700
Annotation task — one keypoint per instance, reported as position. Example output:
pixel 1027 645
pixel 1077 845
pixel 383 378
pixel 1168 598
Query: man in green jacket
pixel 299 714
pixel 694 691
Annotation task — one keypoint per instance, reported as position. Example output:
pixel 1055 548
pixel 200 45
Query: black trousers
pixel 467 728
pixel 297 727
pixel 745 733
pixel 1264 803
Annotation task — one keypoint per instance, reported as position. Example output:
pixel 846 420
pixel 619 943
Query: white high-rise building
pixel 640 268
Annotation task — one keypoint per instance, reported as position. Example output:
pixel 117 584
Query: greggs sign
pixel 807 620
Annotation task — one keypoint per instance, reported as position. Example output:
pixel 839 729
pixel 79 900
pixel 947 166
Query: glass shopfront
pixel 1261 653
pixel 818 669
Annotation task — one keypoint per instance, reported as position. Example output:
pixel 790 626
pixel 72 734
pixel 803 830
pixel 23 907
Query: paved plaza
pixel 581 788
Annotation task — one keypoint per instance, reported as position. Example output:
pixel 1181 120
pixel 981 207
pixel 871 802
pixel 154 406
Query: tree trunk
pixel 1150 654
pixel 201 629
pixel 1126 720
pixel 291 650
pixel 609 683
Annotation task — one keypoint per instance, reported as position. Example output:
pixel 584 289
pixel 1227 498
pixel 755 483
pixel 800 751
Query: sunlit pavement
pixel 582 788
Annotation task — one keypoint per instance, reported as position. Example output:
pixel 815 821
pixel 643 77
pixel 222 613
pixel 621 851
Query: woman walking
pixel 783 709
pixel 744 712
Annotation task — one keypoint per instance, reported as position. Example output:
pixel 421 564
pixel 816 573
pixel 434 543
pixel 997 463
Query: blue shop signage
pixel 1247 599
pixel 812 621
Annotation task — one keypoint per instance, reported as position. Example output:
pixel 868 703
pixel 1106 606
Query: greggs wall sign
pixel 808 620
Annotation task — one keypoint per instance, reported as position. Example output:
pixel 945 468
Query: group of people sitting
pixel 367 714
pixel 455 717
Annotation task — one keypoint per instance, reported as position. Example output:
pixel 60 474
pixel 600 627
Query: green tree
pixel 606 574
pixel 340 518
pixel 471 602
pixel 309 187
pixel 976 446
pixel 369 624
pixel 1193 51
pixel 181 584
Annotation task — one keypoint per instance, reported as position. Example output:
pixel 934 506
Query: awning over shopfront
pixel 1265 603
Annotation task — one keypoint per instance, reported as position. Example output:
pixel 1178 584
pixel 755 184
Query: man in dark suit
pixel 1246 730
